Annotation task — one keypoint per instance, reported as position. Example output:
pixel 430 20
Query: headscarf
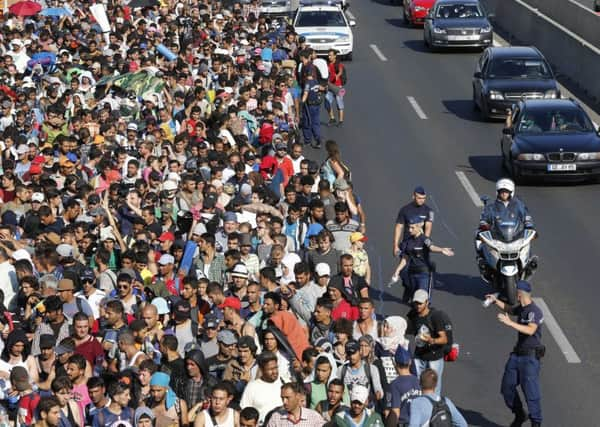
pixel 140 412
pixel 162 380
pixel 329 356
pixel 16 336
pixel 397 325
pixel 289 261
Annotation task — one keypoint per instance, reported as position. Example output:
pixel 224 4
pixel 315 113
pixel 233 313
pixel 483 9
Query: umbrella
pixel 142 3
pixel 56 11
pixel 25 8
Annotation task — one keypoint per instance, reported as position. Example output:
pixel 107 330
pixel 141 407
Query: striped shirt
pixel 308 418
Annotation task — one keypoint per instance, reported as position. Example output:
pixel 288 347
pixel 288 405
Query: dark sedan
pixel 457 23
pixel 505 75
pixel 550 139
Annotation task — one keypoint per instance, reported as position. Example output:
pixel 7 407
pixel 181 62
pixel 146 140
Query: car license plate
pixel 464 38
pixel 562 167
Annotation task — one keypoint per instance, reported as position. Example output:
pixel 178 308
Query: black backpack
pixel 344 75
pixel 440 413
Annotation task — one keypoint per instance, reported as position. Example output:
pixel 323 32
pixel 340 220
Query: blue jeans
pixel 311 123
pixel 523 371
pixel 436 365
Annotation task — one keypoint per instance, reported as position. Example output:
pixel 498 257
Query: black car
pixel 457 23
pixel 550 139
pixel 505 75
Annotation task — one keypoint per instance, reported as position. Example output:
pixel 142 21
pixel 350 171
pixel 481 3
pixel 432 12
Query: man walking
pixel 523 366
pixel 311 100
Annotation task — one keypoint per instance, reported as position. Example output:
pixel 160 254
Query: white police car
pixel 325 27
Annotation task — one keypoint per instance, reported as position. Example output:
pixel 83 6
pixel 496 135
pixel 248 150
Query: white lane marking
pixel 557 333
pixel 378 52
pixel 417 108
pixel 469 188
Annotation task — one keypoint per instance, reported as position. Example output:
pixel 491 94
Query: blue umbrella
pixel 56 11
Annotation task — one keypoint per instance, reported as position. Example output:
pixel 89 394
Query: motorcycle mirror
pixel 484 199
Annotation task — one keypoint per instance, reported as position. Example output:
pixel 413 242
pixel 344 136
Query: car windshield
pixel 460 11
pixel 515 68
pixel 321 19
pixel 554 121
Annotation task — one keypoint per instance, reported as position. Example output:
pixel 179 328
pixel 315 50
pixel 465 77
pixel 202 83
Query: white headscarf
pixel 397 325
pixel 289 261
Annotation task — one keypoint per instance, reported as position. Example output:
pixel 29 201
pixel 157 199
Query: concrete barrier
pixel 575 16
pixel 570 55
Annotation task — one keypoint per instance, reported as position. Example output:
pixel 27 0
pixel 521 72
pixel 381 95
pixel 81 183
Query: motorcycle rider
pixel 506 204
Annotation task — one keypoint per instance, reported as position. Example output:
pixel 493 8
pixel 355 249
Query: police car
pixel 325 27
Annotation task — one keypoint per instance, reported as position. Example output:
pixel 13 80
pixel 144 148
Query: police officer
pixel 523 366
pixel 416 208
pixel 415 256
pixel 312 98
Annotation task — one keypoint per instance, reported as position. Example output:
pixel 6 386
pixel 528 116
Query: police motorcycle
pixel 504 253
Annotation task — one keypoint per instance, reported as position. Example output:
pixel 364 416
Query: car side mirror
pixel 491 15
pixel 477 75
pixel 352 23
pixel 508 131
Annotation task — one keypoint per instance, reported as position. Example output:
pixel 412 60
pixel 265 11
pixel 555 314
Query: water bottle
pixel 4 421
pixel 122 361
pixel 148 347
pixel 490 300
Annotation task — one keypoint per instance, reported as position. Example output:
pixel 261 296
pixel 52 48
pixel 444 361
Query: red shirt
pixel 344 310
pixel 334 69
pixel 90 349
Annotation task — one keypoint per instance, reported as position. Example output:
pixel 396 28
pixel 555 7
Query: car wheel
pixel 485 114
pixel 515 174
pixel 405 15
pixel 349 57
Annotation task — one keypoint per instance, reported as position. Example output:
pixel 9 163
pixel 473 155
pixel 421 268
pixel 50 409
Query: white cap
pixel 174 176
pixel 359 393
pixel 17 42
pixel 420 296
pixel 64 250
pixel 22 149
pixel 219 16
pixel 323 269
pixel 21 254
pixel 37 197
pixel 166 259
pixel 132 126
pixel 169 185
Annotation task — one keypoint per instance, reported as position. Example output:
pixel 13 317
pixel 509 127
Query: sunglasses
pixel 123 286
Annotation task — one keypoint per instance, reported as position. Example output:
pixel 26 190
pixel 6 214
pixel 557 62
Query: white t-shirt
pixel 263 396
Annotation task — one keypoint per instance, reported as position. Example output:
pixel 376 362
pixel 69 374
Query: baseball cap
pixel 281 146
pixel 419 190
pixel 420 296
pixel 161 305
pixel 64 348
pixel 181 310
pixel 231 302
pixel 64 250
pixel 230 217
pixel 352 347
pixel 87 274
pixel 167 236
pixel 359 393
pixel 21 254
pixel 210 322
pixel 166 259
pixel 37 197
pixel 402 356
pixel 323 269
pixel 22 149
pixel 247 342
pixel 358 237
pixel 132 126
pixel 226 337
pixel 35 169
pixel 524 286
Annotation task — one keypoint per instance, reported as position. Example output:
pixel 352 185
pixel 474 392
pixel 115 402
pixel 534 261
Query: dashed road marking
pixel 469 188
pixel 417 108
pixel 380 55
pixel 558 334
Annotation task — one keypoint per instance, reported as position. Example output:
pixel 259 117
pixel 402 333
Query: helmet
pixel 506 184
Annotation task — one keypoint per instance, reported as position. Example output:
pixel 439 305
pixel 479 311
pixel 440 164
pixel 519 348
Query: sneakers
pixel 331 122
pixel 316 144
pixel 520 418
pixel 340 123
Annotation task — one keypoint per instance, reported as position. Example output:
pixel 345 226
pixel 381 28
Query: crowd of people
pixel 172 252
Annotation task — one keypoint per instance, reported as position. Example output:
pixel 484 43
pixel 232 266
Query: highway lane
pixel 391 150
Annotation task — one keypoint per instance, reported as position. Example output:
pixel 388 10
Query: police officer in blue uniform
pixel 414 253
pixel 312 98
pixel 416 208
pixel 523 366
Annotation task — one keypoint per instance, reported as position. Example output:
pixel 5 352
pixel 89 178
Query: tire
pixel 509 289
pixel 405 16
pixel 427 45
pixel 475 106
pixel 349 57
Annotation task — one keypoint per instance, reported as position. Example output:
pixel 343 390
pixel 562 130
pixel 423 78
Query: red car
pixel 416 10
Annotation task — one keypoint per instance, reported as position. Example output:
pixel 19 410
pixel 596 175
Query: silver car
pixel 457 23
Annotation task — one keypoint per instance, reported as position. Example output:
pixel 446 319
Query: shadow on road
pixel 477 419
pixel 416 45
pixel 488 167
pixel 463 109
pixel 397 22
pixel 462 285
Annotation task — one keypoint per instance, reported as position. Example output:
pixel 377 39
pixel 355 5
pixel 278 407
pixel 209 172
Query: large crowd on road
pixel 173 252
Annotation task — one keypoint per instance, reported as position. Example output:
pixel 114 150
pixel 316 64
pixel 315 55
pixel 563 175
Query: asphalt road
pixel 391 150
pixel 587 3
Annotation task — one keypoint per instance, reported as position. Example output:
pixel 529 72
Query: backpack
pixel 344 75
pixel 440 413
pixel 367 368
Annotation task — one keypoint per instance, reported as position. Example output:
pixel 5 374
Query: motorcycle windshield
pixel 508 228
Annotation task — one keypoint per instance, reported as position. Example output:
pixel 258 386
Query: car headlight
pixel 487 29
pixel 531 157
pixel 420 9
pixel 439 30
pixel 551 94
pixel 344 39
pixel 495 95
pixel 588 156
